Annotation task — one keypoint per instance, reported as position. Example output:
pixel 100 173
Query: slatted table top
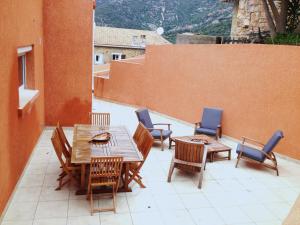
pixel 213 146
pixel 120 144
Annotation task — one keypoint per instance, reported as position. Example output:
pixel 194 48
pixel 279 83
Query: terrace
pixel 257 86
pixel 244 195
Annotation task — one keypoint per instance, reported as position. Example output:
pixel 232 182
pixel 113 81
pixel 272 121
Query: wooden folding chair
pixel 137 137
pixel 64 140
pixel 144 143
pixel 65 165
pixel 190 157
pixel 100 119
pixel 104 171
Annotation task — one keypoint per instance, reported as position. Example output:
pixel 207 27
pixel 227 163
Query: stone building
pixel 248 18
pixel 118 43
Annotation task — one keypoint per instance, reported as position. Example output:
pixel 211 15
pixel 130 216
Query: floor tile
pixel 176 217
pixel 147 218
pixel 27 194
pixel 258 213
pixel 80 207
pixel 84 220
pixel 25 222
pixel 195 201
pixel 206 216
pixel 234 215
pixel 20 211
pixel 29 180
pixel 121 204
pixel 168 202
pixel 51 221
pixel 50 194
pixel 116 219
pixel 141 203
pixel 52 209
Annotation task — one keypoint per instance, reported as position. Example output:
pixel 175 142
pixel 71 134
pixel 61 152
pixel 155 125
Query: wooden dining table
pixel 120 144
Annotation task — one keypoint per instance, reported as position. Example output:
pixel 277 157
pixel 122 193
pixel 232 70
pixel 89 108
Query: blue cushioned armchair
pixel 157 133
pixel 210 123
pixel 259 155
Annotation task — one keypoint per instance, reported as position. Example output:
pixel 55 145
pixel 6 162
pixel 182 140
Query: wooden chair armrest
pixel 198 124
pixel 151 129
pixel 164 124
pixel 246 139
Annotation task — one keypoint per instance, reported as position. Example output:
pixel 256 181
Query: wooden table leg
pixel 82 179
pixel 126 181
pixel 82 189
pixel 229 154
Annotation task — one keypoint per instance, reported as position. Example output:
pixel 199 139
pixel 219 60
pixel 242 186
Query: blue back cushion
pixel 144 117
pixel 273 141
pixel 211 118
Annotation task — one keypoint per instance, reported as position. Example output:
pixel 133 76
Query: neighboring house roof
pixel 126 38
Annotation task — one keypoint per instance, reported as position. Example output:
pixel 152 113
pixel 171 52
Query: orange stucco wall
pixel 68 60
pixel 20 25
pixel 258 86
pixel 62 59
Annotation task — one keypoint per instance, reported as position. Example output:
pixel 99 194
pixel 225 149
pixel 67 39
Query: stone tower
pixel 248 17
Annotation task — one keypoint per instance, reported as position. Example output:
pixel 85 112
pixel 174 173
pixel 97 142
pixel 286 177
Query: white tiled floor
pixel 247 195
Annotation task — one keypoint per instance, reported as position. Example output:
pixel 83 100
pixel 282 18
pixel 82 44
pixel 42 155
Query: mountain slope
pixel 175 16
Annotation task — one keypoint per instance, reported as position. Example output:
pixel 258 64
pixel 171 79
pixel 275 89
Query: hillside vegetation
pixel 175 16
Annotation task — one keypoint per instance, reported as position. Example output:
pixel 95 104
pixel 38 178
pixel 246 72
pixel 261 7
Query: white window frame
pixel 25 95
pixel 99 62
pixel 23 58
pixel 116 54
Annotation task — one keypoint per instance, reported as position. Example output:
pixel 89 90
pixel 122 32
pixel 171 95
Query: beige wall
pixel 256 85
pixel 107 52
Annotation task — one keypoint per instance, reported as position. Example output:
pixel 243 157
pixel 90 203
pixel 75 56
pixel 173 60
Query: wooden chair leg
pixel 238 159
pixel 114 198
pixel 139 182
pixel 201 178
pixel 171 170
pixel 170 143
pixel 162 144
pixel 91 201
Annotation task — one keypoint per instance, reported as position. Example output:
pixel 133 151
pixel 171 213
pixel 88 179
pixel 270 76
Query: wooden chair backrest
pixel 58 147
pixel 189 152
pixel 145 142
pixel 67 150
pixel 101 119
pixel 138 133
pixel 108 167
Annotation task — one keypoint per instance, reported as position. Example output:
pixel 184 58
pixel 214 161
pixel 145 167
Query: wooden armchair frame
pixel 271 156
pixel 104 171
pixel 101 119
pixel 161 133
pixel 219 130
pixel 190 157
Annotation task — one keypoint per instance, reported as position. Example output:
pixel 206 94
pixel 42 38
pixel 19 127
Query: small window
pixel 22 71
pixel 118 56
pixel 135 41
pixel 99 59
pixel 26 80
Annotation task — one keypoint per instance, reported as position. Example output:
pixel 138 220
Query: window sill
pixel 27 98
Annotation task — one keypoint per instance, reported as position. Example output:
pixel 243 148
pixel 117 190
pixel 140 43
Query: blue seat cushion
pixel 144 117
pixel 273 141
pixel 206 131
pixel 251 153
pixel 165 134
pixel 211 118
